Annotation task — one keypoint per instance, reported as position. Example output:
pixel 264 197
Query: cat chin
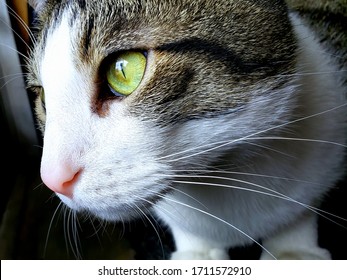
pixel 114 215
pixel 122 212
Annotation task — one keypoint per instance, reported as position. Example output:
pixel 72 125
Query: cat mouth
pixel 126 211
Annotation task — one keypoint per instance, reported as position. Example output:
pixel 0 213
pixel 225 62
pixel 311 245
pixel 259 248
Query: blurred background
pixel 30 226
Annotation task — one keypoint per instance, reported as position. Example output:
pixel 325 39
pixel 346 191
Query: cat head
pixel 132 92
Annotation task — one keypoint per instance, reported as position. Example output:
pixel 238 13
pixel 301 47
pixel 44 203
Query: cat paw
pixel 212 254
pixel 315 253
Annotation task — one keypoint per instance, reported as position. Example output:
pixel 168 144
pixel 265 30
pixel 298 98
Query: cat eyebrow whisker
pixel 220 220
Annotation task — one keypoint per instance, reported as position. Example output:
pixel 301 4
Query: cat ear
pixel 37 5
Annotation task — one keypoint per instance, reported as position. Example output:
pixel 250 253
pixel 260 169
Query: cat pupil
pixel 120 65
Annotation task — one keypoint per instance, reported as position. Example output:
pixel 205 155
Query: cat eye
pixel 125 73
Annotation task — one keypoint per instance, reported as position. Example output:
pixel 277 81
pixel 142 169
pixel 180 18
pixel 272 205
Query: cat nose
pixel 60 179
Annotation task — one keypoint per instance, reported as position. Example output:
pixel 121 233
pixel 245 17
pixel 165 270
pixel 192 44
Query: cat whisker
pixel 218 219
pixel 38 186
pixel 298 139
pixel 51 197
pixel 332 215
pixel 279 195
pixel 9 81
pixel 12 76
pixel 209 171
pixel 269 149
pixel 74 228
pixel 152 225
pixel 100 227
pixel 121 235
pixel 192 149
pixel 59 207
pixel 191 197
pixel 66 224
pixel 320 212
pixel 272 193
pixel 174 215
pixel 16 51
pixel 18 35
pixel 13 13
pixel 38 146
pixel 72 241
pixel 221 144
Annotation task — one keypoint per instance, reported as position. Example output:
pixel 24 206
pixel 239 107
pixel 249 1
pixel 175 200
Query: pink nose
pixel 60 179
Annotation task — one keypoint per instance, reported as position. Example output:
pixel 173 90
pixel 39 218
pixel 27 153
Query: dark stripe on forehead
pixel 87 37
pixel 204 47
pixel 217 52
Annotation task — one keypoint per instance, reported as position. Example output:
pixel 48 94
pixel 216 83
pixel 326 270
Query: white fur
pixel 124 160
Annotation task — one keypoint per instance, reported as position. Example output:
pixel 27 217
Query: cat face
pixel 130 92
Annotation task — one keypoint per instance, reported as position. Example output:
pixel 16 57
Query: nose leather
pixel 61 179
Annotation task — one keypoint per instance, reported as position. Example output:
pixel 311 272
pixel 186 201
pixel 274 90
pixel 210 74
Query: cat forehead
pixel 190 40
pixel 123 12
pixel 104 27
pixel 134 6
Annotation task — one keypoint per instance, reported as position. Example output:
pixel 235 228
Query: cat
pixel 225 119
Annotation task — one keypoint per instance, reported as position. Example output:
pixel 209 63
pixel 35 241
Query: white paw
pixel 314 253
pixel 212 254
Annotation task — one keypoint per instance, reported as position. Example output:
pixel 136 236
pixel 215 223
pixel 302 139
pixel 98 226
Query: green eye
pixel 125 74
